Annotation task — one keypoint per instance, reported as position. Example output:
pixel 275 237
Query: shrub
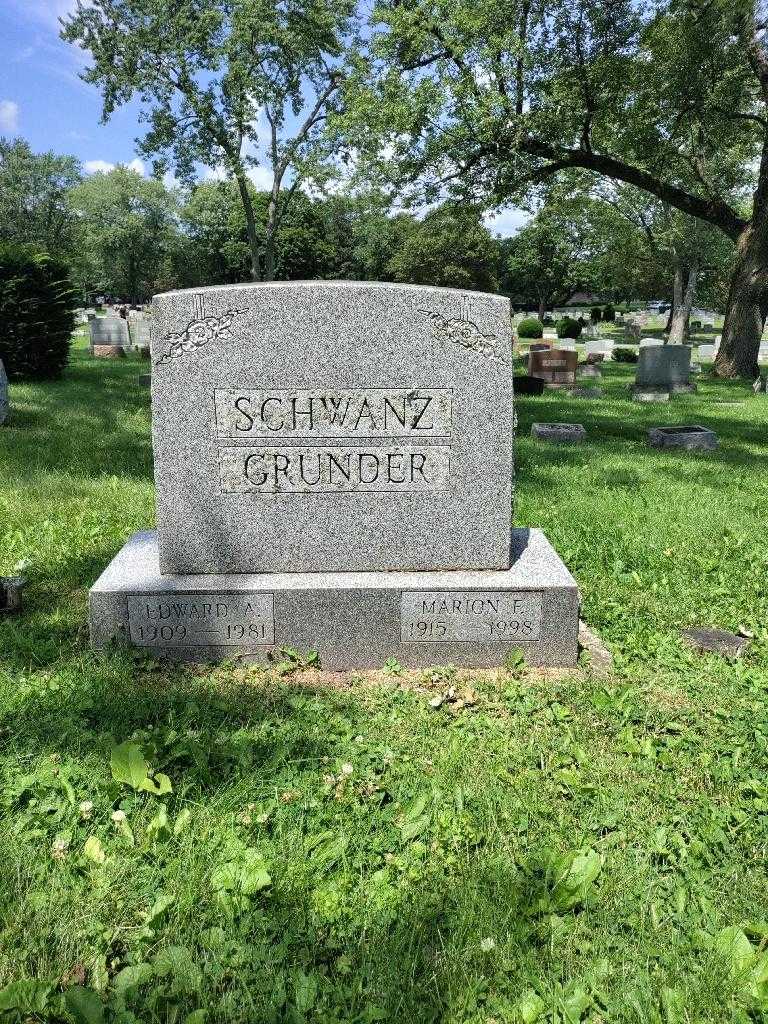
pixel 37 313
pixel 568 328
pixel 609 314
pixel 625 355
pixel 530 328
pixel 596 314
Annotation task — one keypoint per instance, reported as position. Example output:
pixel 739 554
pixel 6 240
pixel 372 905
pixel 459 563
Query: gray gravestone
pixel 664 368
pixel 315 427
pixel 109 330
pixel 559 433
pixel 686 437
pixel 139 331
pixel 5 404
pixel 309 436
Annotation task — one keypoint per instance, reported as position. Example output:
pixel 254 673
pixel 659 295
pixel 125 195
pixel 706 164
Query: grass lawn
pixel 559 849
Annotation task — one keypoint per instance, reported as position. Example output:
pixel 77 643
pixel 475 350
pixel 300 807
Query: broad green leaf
pixel 411 829
pixel 196 1017
pixel 128 765
pixel 132 977
pixel 571 877
pixel 528 1008
pixel 84 1005
pixel 306 992
pixel 734 946
pixel 182 820
pixel 93 850
pixel 159 786
pixel 27 996
pixel 158 908
pixel 158 826
pixel 246 876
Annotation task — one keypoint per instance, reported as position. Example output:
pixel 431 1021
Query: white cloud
pixel 506 222
pixel 218 173
pixel 104 166
pixel 261 177
pixel 9 116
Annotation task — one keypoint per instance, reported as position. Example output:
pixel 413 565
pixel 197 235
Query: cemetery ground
pixel 435 846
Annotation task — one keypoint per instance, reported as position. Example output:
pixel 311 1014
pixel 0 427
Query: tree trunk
pixel 250 224
pixel 542 309
pixel 747 307
pixel 748 293
pixel 271 231
pixel 683 304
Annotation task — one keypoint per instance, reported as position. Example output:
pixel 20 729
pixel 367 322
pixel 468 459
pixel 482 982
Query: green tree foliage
pixel 129 234
pixel 225 83
pixel 33 197
pixel 541 263
pixel 37 313
pixel 450 247
pixel 487 101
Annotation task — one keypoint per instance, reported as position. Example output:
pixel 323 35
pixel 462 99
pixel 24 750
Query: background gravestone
pixel 663 367
pixel 332 426
pixel 109 330
pixel 557 368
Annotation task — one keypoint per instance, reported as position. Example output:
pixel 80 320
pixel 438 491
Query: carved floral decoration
pixel 198 333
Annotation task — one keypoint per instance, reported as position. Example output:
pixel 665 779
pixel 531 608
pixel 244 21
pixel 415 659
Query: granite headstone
pixel 333 466
pixel 109 330
pixel 556 368
pixel 664 368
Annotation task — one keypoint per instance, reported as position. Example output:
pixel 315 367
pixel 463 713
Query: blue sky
pixel 43 100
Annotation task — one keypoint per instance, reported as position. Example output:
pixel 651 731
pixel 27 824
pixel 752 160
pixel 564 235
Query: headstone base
pixel 354 620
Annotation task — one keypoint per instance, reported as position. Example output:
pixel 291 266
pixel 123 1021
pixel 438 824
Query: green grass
pixel 340 851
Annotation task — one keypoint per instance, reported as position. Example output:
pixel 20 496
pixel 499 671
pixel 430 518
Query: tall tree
pixel 33 197
pixel 671 96
pixel 541 262
pixel 129 233
pixel 450 248
pixel 228 84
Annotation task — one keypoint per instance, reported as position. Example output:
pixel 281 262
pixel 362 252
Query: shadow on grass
pixel 89 423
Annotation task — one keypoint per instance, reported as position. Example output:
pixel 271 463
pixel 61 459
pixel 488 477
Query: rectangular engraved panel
pixel 333 412
pixel 479 616
pixel 202 620
pixel 303 470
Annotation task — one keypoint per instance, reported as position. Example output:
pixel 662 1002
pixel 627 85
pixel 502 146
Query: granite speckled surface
pixel 304 349
pixel 353 620
pixel 559 433
pixel 663 366
pixel 688 437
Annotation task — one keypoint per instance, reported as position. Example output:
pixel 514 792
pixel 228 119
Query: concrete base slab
pixel 650 396
pixel 559 433
pixel 354 620
pixel 688 437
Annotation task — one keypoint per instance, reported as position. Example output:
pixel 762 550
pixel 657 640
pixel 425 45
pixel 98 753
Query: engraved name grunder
pixel 334 468
pixel 351 413
pixel 202 620
pixel 470 616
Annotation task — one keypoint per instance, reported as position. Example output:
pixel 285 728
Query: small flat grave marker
pixel 559 433
pixel 688 437
pixel 711 640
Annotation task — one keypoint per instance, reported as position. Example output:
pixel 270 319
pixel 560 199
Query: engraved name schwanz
pixel 479 616
pixel 202 620
pixel 333 412
pixel 324 468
